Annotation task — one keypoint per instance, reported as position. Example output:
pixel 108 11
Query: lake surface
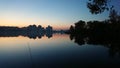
pixel 55 52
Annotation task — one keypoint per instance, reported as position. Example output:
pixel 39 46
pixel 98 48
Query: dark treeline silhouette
pixel 31 31
pixel 105 33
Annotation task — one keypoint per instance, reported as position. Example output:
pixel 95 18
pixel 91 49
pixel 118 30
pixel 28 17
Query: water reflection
pixel 112 44
pixel 57 52
pixel 29 35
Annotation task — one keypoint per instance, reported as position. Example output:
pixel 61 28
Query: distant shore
pixel 31 31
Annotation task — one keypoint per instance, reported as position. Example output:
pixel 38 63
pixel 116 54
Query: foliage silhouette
pixel 98 6
pixel 105 33
pixel 31 31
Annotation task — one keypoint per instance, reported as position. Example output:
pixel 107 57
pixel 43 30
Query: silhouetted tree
pixel 97 6
pixel 80 26
pixel 71 30
pixel 114 17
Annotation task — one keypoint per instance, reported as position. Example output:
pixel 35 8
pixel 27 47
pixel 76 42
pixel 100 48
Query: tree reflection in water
pixel 112 43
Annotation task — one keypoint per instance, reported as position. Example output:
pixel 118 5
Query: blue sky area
pixel 57 13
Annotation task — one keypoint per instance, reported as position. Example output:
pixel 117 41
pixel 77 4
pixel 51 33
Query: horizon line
pixel 37 26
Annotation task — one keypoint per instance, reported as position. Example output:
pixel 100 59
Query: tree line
pixel 105 33
pixel 108 27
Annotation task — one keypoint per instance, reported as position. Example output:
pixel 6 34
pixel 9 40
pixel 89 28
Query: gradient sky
pixel 58 13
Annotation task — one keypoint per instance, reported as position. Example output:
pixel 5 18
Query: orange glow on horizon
pixel 21 20
pixel 25 25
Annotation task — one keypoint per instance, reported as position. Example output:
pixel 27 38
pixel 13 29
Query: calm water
pixel 55 52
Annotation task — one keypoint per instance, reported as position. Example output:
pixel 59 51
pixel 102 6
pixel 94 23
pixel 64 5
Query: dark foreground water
pixel 55 52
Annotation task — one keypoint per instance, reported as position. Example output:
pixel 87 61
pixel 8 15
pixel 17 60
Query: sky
pixel 58 13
